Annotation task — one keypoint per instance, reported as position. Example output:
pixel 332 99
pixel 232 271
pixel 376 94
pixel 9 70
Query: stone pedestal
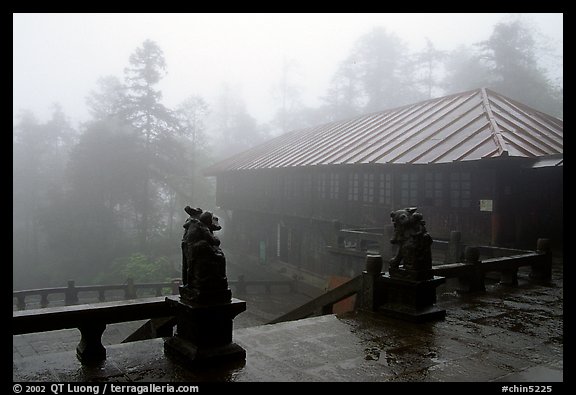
pixel 90 350
pixel 204 332
pixel 409 299
pixel 473 280
pixel 542 271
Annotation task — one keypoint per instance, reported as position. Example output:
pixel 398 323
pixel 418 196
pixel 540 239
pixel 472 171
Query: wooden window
pixel 368 188
pixel 385 189
pixel 227 184
pixel 353 187
pixel 409 189
pixel 433 187
pixel 460 189
pixel 334 186
pixel 322 186
pixel 307 186
pixel 288 186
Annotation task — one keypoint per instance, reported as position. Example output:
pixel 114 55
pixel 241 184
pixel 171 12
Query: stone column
pixel 71 294
pixel 454 252
pixel 509 277
pixel 473 280
pixel 370 277
pixel 542 271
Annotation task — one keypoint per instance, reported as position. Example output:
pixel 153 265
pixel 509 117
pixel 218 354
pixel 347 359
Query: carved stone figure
pixel 414 257
pixel 203 262
pixel 205 312
pixel 194 215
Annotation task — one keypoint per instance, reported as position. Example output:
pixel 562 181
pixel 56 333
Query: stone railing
pixel 131 290
pixel 91 320
pixel 473 270
pixel 470 274
pixel 361 241
pixel 324 303
pixel 128 290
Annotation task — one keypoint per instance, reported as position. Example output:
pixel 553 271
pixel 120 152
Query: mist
pixel 101 176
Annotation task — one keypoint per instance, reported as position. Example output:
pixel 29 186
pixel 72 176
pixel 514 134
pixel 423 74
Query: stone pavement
pixel 505 335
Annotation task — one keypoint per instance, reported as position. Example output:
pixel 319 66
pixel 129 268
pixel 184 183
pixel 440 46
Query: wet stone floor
pixel 505 334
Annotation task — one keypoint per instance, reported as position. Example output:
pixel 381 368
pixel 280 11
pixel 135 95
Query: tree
pixel 344 97
pixel 154 121
pixel 29 150
pixel 192 115
pixel 40 152
pixel 385 71
pixel 289 96
pixel 511 57
pixel 377 75
pixel 464 71
pixel 234 129
pixel 426 63
pixel 91 222
pixel 109 101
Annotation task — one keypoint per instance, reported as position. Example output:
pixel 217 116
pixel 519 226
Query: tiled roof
pixel 466 126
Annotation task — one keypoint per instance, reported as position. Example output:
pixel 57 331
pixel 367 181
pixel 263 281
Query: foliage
pixel 511 58
pixel 140 268
pixel 234 129
pixel 114 188
pixel 377 74
pixel 40 153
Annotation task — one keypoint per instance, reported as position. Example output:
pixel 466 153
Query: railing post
pixel 473 281
pixel 509 277
pixel 241 285
pixel 454 252
pixel 71 294
pixel 44 300
pixel 101 295
pixel 176 285
pixel 130 290
pixel 90 349
pixel 338 239
pixel 542 271
pixel 21 302
pixel 369 282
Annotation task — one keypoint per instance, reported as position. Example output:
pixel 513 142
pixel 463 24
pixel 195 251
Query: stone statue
pixel 414 257
pixel 203 263
pixel 205 311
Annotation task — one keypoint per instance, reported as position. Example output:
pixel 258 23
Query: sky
pixel 58 58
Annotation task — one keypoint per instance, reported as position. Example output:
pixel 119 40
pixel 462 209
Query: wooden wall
pixel 297 207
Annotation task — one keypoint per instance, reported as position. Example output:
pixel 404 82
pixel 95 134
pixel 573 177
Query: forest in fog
pixel 102 201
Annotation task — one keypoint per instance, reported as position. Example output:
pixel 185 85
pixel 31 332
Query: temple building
pixel 477 162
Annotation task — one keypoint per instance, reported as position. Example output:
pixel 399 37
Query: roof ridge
pixel 494 129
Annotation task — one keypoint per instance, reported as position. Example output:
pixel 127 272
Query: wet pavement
pixel 503 335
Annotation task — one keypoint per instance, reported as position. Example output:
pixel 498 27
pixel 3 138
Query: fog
pixel 59 57
pixel 101 176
